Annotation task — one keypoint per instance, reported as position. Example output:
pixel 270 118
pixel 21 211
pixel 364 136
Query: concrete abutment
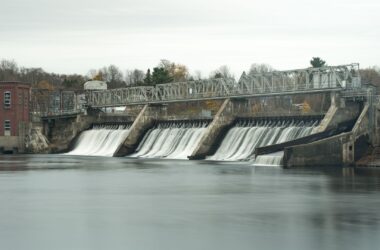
pixel 342 149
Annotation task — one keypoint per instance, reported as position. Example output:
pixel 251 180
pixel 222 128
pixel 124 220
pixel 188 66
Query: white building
pixel 95 85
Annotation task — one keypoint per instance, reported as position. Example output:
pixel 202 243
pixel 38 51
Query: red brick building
pixel 14 115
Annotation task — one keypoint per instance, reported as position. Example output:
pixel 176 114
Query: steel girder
pixel 271 83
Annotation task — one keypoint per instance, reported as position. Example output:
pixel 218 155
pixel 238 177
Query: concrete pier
pixel 142 123
pixel 340 111
pixel 220 124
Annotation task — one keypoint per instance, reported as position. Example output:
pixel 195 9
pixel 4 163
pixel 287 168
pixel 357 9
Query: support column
pixel 328 116
pixel 142 123
pixel 339 111
pixel 222 120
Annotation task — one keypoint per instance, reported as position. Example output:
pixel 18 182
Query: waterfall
pixel 273 159
pixel 290 133
pixel 242 139
pixel 101 140
pixel 173 140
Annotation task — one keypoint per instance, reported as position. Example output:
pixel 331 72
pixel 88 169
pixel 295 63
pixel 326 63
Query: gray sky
pixel 73 36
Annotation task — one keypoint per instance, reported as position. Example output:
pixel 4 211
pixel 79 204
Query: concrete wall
pixel 338 112
pixel 376 139
pixel 9 144
pixel 140 126
pixel 358 142
pixel 325 152
pixel 62 132
pixel 343 149
pixel 346 111
pixel 286 105
pixel 217 129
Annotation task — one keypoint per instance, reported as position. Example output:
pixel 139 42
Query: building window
pixel 7 99
pixel 26 99
pixel 20 98
pixel 7 127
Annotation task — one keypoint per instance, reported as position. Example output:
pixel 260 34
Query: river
pixel 72 202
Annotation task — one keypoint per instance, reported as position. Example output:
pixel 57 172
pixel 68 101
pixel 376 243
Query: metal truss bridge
pixel 310 80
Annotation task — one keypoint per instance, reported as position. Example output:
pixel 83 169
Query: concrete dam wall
pixel 205 129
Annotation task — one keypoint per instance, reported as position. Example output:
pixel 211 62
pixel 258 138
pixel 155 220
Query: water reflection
pixel 61 202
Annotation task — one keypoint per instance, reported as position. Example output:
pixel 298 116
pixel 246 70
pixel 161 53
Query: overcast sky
pixel 73 36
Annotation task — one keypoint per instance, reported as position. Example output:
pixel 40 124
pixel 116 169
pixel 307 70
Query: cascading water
pixel 242 140
pixel 273 159
pixel 171 140
pixel 101 140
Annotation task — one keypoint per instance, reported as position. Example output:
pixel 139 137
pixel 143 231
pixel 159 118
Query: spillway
pixel 171 140
pixel 247 135
pixel 101 140
pixel 273 159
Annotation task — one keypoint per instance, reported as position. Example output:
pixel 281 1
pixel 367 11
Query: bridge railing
pixel 54 103
pixel 277 82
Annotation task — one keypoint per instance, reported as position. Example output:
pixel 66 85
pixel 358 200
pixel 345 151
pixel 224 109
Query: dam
pixel 100 140
pixel 245 136
pixel 172 140
pixel 275 118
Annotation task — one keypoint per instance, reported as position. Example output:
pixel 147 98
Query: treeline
pixel 165 72
pixel 39 78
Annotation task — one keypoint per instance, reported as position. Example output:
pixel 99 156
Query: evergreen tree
pixel 160 75
pixel 148 78
pixel 317 62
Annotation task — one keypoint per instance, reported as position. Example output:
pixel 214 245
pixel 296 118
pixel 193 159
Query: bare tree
pixel 92 74
pixel 197 75
pixel 134 77
pixel 113 76
pixel 258 68
pixel 165 64
pixel 371 76
pixel 222 72
pixel 8 70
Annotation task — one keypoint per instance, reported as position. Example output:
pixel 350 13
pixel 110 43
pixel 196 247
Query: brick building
pixel 14 115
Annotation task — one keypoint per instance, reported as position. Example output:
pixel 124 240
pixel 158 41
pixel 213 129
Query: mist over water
pixel 78 202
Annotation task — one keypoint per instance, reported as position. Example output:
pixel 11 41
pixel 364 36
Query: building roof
pixel 18 83
pixel 94 84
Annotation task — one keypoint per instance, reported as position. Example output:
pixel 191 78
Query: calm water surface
pixel 71 202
